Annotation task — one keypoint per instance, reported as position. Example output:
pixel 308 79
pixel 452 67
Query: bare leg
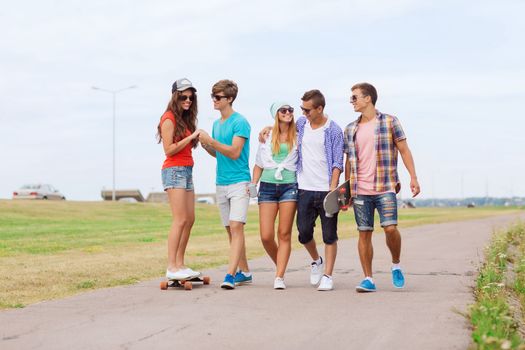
pixel 237 248
pixel 189 201
pixel 179 222
pixel 393 241
pixel 267 215
pixel 366 252
pixel 284 235
pixel 330 255
pixel 311 247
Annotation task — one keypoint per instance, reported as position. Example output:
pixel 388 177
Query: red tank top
pixel 184 157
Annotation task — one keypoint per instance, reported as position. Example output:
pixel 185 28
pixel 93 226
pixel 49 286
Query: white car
pixel 38 191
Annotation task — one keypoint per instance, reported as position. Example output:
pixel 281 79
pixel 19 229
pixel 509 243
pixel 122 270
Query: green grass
pixel 69 247
pixel 500 282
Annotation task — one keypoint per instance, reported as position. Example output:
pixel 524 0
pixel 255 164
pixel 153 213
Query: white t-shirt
pixel 313 176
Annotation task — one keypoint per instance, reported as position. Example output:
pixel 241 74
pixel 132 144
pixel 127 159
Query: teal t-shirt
pixel 231 171
pixel 268 175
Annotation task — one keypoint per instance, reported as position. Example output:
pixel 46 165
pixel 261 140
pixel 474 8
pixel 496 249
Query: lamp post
pixel 114 94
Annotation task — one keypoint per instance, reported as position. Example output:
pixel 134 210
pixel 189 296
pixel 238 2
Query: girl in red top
pixel 178 133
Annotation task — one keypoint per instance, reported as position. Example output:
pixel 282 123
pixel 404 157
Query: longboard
pixel 337 199
pixel 186 283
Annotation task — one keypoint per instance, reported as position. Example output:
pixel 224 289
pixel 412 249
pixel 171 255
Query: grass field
pixel 497 315
pixel 54 249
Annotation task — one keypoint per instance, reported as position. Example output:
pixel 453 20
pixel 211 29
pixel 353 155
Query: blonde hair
pixel 291 139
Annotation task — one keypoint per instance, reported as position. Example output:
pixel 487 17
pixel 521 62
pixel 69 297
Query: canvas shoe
pixel 316 272
pixel 279 283
pixel 192 273
pixel 241 278
pixel 366 286
pixel 229 282
pixel 177 275
pixel 398 280
pixel 327 283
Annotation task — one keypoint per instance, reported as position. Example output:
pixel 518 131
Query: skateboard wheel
pixel 164 285
pixel 187 285
pixel 342 190
pixel 206 280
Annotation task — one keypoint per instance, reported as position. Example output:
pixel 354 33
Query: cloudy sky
pixel 451 71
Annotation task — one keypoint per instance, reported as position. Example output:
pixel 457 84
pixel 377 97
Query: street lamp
pixel 114 93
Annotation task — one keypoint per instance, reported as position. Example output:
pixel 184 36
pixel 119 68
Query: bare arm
pixel 334 181
pixel 209 149
pixel 263 135
pixel 171 148
pixel 408 160
pixel 232 152
pixel 257 172
pixel 347 168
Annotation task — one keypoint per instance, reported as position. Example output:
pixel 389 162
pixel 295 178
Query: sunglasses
pixel 284 110
pixel 354 98
pixel 218 97
pixel 306 110
pixel 186 97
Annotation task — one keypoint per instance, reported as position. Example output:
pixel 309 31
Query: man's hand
pixel 414 187
pixel 204 137
pixel 263 135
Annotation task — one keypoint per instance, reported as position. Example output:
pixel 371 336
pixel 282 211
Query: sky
pixel 452 72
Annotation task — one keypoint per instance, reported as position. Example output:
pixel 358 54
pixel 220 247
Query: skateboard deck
pixel 186 283
pixel 337 199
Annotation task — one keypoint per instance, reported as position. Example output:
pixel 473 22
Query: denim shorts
pixel 309 207
pixel 277 193
pixel 386 205
pixel 177 177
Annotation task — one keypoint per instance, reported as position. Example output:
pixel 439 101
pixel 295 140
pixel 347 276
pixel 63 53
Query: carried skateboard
pixel 186 283
pixel 337 199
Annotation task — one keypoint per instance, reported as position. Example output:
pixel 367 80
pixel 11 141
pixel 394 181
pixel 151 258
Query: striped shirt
pixel 333 145
pixel 388 131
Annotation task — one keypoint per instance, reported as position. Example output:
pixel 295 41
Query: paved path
pixel 440 262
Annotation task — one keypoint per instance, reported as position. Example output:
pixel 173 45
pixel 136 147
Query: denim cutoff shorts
pixel 178 177
pixel 364 205
pixel 277 193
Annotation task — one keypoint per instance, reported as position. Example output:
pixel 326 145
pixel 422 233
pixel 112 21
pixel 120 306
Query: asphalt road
pixel 440 263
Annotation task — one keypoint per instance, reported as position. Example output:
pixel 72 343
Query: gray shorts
pixel 233 201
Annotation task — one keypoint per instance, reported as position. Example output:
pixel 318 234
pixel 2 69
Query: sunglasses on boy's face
pixel 217 97
pixel 354 98
pixel 284 110
pixel 186 97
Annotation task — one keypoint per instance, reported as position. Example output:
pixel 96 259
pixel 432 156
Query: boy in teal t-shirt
pixel 230 144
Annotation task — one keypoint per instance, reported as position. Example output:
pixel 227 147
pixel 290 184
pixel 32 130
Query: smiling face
pixel 285 114
pixel 310 111
pixel 359 101
pixel 185 99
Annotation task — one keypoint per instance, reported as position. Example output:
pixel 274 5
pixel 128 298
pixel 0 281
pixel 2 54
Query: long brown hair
pixel 184 120
pixel 292 136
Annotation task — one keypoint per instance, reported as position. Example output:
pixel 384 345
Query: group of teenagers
pixel 298 163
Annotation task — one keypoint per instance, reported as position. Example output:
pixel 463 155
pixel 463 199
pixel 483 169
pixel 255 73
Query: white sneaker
pixel 316 272
pixel 279 283
pixel 177 275
pixel 191 272
pixel 327 283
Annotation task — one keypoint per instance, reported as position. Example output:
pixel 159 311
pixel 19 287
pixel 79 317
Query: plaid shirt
pixel 388 131
pixel 333 146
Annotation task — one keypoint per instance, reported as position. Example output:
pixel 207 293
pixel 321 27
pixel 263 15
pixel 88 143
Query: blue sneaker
pixel 229 282
pixel 398 280
pixel 366 286
pixel 241 278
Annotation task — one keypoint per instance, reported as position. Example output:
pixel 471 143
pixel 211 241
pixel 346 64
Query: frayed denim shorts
pixel 178 177
pixel 364 206
pixel 277 193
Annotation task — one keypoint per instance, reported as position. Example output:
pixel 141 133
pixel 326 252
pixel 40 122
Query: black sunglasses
pixel 186 97
pixel 218 97
pixel 354 98
pixel 305 110
pixel 284 110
